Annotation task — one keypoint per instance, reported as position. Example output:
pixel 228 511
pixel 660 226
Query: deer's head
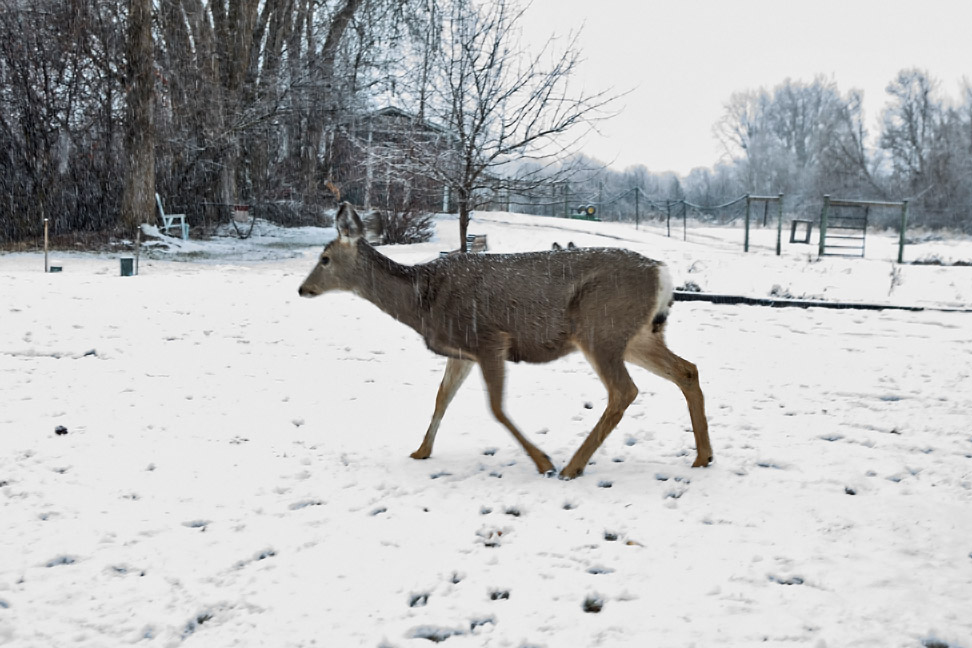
pixel 337 266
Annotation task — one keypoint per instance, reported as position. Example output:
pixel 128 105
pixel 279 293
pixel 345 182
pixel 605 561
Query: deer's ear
pixel 348 223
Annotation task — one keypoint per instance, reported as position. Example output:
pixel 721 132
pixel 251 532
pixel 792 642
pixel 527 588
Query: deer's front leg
pixel 455 373
pixel 493 374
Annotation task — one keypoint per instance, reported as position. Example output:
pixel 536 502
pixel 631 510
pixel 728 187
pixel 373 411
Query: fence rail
pixel 846 234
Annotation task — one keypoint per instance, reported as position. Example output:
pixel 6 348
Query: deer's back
pixel 540 303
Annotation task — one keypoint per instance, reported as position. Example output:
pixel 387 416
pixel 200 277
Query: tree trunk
pixel 236 29
pixel 463 219
pixel 138 199
pixel 327 104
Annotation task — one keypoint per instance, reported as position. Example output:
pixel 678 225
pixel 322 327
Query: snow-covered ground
pixel 235 470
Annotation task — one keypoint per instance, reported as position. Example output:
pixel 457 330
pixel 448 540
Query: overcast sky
pixel 682 59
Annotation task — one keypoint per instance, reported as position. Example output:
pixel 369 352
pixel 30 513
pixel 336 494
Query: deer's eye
pixel 325 260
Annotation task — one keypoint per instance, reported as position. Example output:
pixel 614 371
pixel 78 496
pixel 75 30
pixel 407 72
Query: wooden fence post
pixel 779 224
pixel 901 236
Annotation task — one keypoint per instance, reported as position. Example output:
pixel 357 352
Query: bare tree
pixel 800 138
pixel 744 132
pixel 326 104
pixel 498 102
pixel 909 123
pixel 847 163
pixel 803 118
pixel 930 144
pixel 743 118
pixel 138 200
pixel 61 74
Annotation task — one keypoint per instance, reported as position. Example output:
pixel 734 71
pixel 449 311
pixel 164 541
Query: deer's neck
pixel 394 288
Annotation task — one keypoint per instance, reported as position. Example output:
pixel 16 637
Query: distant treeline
pixel 807 140
pixel 262 102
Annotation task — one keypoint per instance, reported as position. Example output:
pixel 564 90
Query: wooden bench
pixel 172 220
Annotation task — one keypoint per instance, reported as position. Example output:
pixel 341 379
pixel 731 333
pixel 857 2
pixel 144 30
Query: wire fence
pixel 678 217
pixel 630 205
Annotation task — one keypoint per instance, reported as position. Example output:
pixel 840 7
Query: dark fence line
pixel 774 302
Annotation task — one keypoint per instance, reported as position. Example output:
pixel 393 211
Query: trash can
pixel 127 266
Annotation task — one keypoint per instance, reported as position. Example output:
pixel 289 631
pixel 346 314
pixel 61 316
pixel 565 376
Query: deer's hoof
pixel 420 454
pixel 570 473
pixel 543 463
pixel 702 463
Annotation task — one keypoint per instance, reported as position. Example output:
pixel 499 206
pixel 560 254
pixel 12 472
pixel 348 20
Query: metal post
pixel 668 221
pixel 600 198
pixel 746 240
pixel 46 264
pixel 867 210
pixel 823 225
pixel 684 221
pixel 637 211
pixel 901 236
pixel 779 224
pixel 566 200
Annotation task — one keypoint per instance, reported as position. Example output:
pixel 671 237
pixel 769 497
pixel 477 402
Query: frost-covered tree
pixel 499 99
pixel 909 124
pixel 792 139
pixel 929 142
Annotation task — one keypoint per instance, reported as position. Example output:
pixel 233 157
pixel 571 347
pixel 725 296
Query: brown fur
pixel 531 307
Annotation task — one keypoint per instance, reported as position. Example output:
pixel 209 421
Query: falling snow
pixel 235 471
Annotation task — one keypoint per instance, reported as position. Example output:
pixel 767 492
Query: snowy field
pixel 235 467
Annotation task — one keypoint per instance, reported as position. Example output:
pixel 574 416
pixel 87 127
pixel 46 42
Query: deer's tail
pixel 663 298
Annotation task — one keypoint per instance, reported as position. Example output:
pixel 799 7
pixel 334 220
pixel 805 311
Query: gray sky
pixel 684 58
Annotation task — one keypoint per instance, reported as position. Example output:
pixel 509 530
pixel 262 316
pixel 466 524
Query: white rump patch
pixel 666 289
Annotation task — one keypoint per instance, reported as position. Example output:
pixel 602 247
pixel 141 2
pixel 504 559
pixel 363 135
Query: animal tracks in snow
pixel 267 443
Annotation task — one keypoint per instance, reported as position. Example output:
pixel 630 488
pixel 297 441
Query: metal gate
pixel 844 235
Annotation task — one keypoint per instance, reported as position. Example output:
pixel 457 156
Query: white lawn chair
pixel 172 220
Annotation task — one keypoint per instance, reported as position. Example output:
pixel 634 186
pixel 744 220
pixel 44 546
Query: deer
pixel 610 304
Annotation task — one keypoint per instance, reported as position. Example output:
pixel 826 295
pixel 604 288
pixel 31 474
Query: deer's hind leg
pixel 456 372
pixel 609 364
pixel 647 349
pixel 494 369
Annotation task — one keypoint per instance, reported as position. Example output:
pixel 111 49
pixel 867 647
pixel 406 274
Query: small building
pixel 390 159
